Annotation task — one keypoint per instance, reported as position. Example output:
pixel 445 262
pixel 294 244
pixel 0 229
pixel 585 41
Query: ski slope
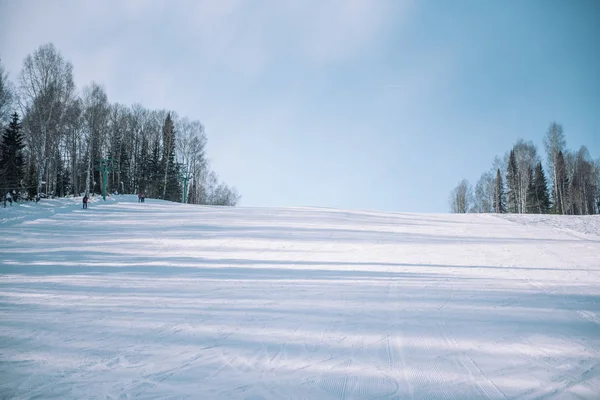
pixel 172 301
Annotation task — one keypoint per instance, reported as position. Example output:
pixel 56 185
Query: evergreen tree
pixel 541 190
pixel 499 195
pixel 11 156
pixel 154 172
pixel 62 178
pixel 144 166
pixel 562 186
pixel 555 142
pixel 171 188
pixel 174 190
pixel 32 180
pixel 122 183
pixel 512 184
pixel 532 202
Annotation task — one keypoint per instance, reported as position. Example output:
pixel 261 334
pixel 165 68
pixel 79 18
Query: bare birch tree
pixel 7 97
pixel 484 193
pixel 95 116
pixel 554 142
pixel 46 88
pixel 526 159
pixel 461 197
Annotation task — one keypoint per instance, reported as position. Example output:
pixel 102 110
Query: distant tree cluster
pixel 518 183
pixel 55 141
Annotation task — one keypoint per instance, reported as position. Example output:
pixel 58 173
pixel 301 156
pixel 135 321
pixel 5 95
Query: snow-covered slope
pixel 162 300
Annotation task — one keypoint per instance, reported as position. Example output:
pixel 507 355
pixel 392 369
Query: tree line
pixel 518 182
pixel 59 141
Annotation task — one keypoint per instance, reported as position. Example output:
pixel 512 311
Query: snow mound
pixel 586 225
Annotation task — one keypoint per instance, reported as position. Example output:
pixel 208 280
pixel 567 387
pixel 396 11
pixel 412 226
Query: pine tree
pixel 499 195
pixel 174 190
pixel 512 184
pixel 541 190
pixel 555 142
pixel 154 172
pixel 123 175
pixel 171 187
pixel 532 203
pixel 562 185
pixel 144 167
pixel 11 156
pixel 60 175
pixel 32 180
pixel 168 156
pixel 62 178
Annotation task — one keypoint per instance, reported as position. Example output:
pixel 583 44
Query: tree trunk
pixel 89 167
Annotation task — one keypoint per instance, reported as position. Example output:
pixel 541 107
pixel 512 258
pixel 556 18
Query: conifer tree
pixel 499 196
pixel 532 203
pixel 62 178
pixel 123 175
pixel 541 190
pixel 512 184
pixel 169 168
pixel 554 142
pixel 11 157
pixel 31 180
pixel 171 189
pixel 562 185
pixel 144 166
pixel 154 172
pixel 174 190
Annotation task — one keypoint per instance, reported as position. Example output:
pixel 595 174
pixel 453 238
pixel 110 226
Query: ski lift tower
pixel 105 165
pixel 184 177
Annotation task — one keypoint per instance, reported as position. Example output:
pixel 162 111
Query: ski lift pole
pixel 105 165
pixel 185 177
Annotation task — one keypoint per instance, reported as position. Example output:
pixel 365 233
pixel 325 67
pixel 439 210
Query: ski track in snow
pixel 165 300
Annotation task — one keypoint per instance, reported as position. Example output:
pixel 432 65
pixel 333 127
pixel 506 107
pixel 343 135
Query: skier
pixel 9 197
pixel 143 197
pixel 85 201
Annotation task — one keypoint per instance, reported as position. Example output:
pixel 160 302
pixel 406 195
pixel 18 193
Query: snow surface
pixel 164 300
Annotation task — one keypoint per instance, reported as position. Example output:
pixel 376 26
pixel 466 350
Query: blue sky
pixel 370 104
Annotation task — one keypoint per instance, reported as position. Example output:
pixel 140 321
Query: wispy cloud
pixel 242 38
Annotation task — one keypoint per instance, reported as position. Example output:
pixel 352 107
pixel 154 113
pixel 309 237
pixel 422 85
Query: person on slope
pixel 9 197
pixel 85 201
